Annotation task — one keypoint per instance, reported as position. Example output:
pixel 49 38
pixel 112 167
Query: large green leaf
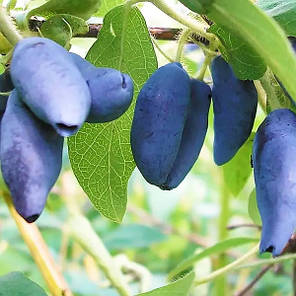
pixel 16 283
pixel 181 287
pixel 246 63
pixel 283 11
pixel 219 248
pixel 100 154
pixel 238 170
pixel 84 9
pixel 262 33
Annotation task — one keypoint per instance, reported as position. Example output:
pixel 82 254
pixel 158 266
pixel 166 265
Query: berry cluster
pixel 171 120
pixel 54 93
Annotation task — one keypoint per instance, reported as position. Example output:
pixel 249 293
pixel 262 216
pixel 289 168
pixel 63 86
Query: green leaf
pixel 61 28
pixel 219 248
pixel 283 11
pixel 238 170
pixel 83 9
pixel 262 33
pixel 246 63
pixel 133 236
pixel 181 287
pixel 16 283
pixel 253 208
pixel 100 154
pixel 107 5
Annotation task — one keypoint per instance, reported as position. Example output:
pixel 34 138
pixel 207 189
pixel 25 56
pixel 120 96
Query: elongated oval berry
pixel 274 158
pixel 159 119
pixel 235 106
pixel 50 84
pixel 193 134
pixel 31 158
pixel 111 91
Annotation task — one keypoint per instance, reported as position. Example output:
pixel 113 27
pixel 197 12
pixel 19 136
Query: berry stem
pixel 204 67
pixel 40 252
pixel 8 28
pixel 182 41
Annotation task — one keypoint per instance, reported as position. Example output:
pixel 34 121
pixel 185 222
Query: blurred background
pixel 159 229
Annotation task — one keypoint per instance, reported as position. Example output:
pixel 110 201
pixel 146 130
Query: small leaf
pixel 253 209
pixel 246 63
pixel 238 170
pixel 219 248
pixel 181 287
pixel 100 154
pixel 83 9
pixel 283 11
pixel 16 283
pixel 61 28
pixel 132 236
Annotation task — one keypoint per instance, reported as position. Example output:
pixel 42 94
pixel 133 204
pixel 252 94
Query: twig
pixel 159 33
pixel 140 271
pixel 254 281
pixel 40 252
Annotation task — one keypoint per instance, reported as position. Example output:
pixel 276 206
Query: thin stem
pixel 8 29
pixel 254 281
pixel 268 261
pixel 81 230
pixel 182 41
pixel 40 252
pixel 161 51
pixel 205 65
pixel 5 94
pixel 228 267
pixel 261 95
